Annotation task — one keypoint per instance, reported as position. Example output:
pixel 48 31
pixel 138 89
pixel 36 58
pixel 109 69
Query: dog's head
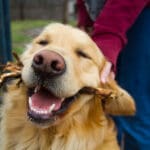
pixel 58 64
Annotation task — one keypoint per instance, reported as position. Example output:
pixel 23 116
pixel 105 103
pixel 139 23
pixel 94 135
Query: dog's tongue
pixel 44 100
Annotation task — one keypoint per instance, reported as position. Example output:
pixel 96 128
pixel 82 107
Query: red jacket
pixel 112 24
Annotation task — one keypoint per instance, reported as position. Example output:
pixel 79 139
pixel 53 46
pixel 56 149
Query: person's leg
pixel 134 76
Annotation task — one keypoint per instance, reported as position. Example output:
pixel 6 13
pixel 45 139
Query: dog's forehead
pixel 70 38
pixel 65 32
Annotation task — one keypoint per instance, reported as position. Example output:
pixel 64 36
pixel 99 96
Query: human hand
pixel 107 73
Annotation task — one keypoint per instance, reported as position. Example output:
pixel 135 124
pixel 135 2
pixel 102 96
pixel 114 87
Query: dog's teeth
pixel 45 112
pixel 39 111
pixel 30 101
pixel 62 99
pixel 37 88
pixel 51 108
pixel 35 110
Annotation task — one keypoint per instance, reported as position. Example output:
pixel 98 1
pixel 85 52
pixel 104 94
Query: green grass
pixel 19 32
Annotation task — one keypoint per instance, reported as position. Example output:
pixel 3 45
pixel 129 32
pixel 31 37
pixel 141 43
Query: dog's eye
pixel 43 42
pixel 82 54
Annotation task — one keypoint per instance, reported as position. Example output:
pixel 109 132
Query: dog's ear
pixel 115 100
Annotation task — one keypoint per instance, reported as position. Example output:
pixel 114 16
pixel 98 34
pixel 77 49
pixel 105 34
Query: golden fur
pixel 85 125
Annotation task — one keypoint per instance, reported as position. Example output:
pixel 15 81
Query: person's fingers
pixel 112 75
pixel 105 72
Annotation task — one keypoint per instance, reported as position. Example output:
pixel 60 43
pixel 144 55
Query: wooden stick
pixel 97 91
pixel 11 69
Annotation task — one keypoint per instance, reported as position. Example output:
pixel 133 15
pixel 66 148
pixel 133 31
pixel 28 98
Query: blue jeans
pixel 133 74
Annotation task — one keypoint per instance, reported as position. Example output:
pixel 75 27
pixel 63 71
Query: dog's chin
pixel 45 108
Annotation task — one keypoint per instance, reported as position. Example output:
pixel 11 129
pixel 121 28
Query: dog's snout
pixel 49 62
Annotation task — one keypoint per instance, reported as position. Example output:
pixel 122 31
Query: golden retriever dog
pixel 52 108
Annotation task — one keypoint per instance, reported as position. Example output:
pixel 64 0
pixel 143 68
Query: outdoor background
pixel 28 17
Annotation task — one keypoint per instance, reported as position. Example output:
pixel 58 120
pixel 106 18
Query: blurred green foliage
pixel 23 31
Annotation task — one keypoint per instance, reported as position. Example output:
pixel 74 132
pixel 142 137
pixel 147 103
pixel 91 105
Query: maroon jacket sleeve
pixel 112 24
pixel 82 15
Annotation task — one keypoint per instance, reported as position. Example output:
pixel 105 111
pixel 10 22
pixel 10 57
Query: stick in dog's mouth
pixel 11 70
pixel 44 106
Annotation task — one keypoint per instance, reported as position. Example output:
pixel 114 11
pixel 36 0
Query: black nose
pixel 48 62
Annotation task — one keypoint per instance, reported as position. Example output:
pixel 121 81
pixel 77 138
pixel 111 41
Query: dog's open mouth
pixel 45 107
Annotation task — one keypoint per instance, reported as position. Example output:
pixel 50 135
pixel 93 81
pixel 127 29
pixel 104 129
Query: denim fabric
pixel 133 74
